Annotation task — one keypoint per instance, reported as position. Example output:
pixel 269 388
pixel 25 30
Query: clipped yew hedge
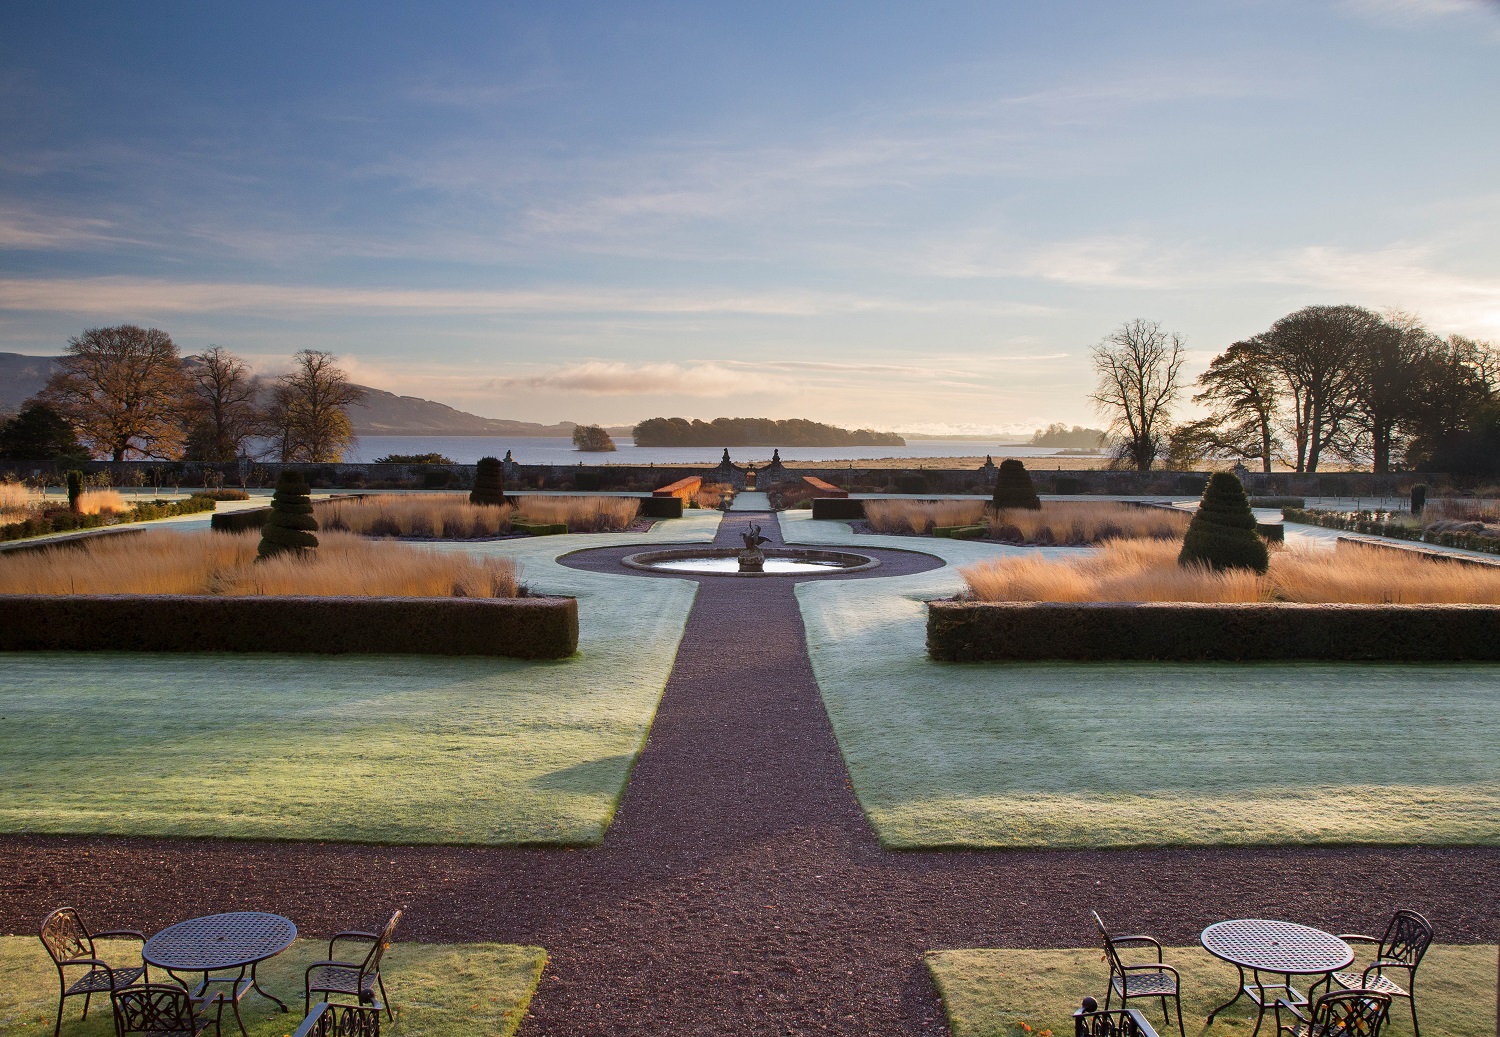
pixel 519 628
pixel 661 507
pixel 838 508
pixel 963 631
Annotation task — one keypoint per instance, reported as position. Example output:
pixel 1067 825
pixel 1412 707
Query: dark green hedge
pixel 1089 632
pixel 520 628
pixel 838 508
pixel 239 521
pixel 67 521
pixel 661 507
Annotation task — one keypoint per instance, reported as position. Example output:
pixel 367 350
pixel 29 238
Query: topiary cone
pixel 489 482
pixel 1013 488
pixel 1222 534
pixel 290 526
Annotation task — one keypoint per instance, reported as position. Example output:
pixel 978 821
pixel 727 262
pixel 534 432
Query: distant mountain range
pixel 382 414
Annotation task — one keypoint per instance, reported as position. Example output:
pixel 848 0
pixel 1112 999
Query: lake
pixel 559 450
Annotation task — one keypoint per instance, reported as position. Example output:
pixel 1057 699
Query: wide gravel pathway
pixel 739 890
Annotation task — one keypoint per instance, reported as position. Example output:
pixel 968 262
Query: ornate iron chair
pixel 1149 980
pixel 161 1010
pixel 357 979
pixel 327 1020
pixel 1343 1013
pixel 70 945
pixel 1089 1021
pixel 1405 942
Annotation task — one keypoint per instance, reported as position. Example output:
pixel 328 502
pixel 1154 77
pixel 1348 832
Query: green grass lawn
pixel 1000 993
pixel 403 749
pixel 1115 755
pixel 436 990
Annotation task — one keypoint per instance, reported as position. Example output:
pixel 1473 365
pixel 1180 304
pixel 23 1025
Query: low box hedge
pixel 837 508
pixel 68 521
pixel 961 532
pixel 962 631
pixel 519 628
pixel 540 529
pixel 682 489
pixel 661 507
pixel 239 521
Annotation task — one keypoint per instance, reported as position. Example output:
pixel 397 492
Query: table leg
pixel 1239 989
pixel 255 986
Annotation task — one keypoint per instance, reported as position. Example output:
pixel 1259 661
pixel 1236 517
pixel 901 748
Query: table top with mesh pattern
pixel 1281 947
pixel 225 941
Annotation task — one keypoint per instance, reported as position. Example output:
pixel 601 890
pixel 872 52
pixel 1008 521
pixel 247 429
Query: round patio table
pixel 237 940
pixel 1283 949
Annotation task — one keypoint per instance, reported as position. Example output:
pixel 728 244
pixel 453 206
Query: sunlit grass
pixel 581 514
pixel 165 562
pixel 437 990
pixel 1057 522
pixel 447 516
pixel 1029 993
pixel 1147 570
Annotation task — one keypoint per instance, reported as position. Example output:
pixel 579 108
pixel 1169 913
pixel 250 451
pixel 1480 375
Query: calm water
pixel 558 450
pixel 732 565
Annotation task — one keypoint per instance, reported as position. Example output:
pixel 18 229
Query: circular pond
pixel 780 561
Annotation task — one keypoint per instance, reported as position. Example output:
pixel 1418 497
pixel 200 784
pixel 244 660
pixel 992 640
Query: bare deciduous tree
pixel 124 390
pixel 225 409
pixel 308 412
pixel 1139 368
pixel 1240 386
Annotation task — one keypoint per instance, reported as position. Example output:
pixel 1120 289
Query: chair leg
pixel 86 998
pixel 1178 1001
pixel 1412 1000
pixel 1166 1017
pixel 61 1003
pixel 385 997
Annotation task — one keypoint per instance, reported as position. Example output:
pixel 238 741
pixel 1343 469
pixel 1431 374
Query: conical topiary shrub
pixel 290 526
pixel 489 482
pixel 1013 487
pixel 1222 534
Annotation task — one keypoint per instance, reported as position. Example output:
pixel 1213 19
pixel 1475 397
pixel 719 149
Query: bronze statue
pixel 753 539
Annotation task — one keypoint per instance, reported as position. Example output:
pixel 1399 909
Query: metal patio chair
pixel 1148 980
pixel 70 945
pixel 162 1010
pixel 357 979
pixel 327 1020
pixel 1401 949
pixel 1343 1013
pixel 1090 1021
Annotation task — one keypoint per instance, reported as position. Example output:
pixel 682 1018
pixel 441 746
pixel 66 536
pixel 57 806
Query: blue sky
pixel 913 216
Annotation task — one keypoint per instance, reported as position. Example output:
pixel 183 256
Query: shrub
pixel 75 489
pixel 290 525
pixel 1013 488
pixel 489 483
pixel 1222 534
pixel 222 495
pixel 1418 498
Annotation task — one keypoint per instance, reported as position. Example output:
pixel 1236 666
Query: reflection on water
pixel 731 565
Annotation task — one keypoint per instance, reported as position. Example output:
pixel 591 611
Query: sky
pixel 917 217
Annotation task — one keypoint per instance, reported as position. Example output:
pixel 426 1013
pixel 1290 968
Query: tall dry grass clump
pixel 1057 522
pixel 95 502
pixel 444 516
pixel 582 514
pixel 161 562
pixel 17 500
pixel 1147 570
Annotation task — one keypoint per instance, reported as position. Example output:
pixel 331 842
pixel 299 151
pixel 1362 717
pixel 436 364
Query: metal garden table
pixel 1282 949
pixel 234 942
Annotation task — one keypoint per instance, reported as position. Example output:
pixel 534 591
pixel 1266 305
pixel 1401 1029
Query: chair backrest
pixel 377 951
pixel 65 936
pixel 1406 938
pixel 1115 965
pixel 1088 1021
pixel 1349 1013
pixel 340 1021
pixel 153 1009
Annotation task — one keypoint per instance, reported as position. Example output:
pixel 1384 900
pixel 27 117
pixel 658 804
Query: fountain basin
pixel 724 561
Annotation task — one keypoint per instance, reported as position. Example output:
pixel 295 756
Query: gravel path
pixel 739 890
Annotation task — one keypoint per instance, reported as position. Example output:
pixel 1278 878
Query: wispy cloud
pixel 1412 11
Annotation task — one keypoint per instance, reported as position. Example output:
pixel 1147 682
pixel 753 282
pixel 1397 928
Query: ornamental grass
pixel 582 514
pixel 97 502
pixel 343 565
pixel 17 499
pixel 446 516
pixel 1147 570
pixel 1056 522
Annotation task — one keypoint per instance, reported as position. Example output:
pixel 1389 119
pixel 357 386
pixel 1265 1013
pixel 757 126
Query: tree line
pixel 727 432
pixel 1325 382
pixel 125 392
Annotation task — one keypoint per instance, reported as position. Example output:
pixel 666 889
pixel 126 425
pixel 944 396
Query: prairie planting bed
pixel 370 749
pixel 1027 993
pixel 1081 755
pixel 437 990
pixel 450 516
pixel 1070 523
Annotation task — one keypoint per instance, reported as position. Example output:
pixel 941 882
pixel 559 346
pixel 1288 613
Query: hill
pixel 382 414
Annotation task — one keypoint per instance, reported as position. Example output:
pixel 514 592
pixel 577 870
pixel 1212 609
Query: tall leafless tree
pixel 1139 367
pixel 308 411
pixel 225 411
pixel 1316 352
pixel 124 390
pixel 1240 387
